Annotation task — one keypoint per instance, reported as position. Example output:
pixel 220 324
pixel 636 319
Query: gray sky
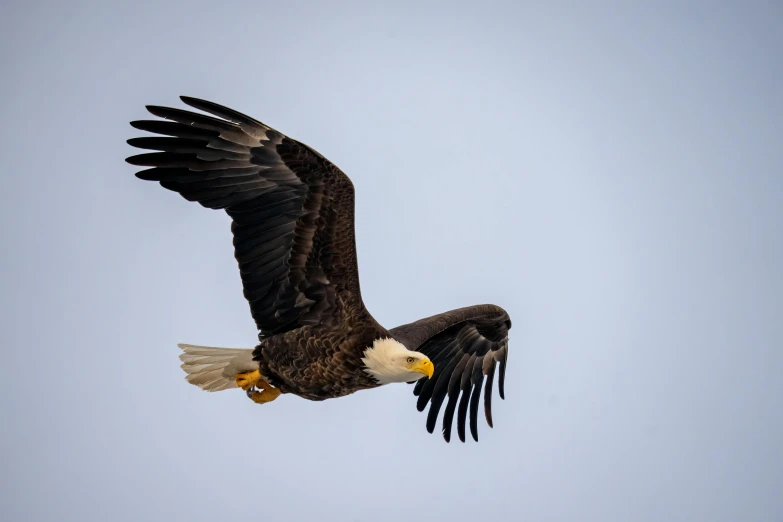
pixel 612 176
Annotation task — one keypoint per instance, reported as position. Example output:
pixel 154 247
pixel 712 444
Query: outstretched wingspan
pixel 292 210
pixel 465 345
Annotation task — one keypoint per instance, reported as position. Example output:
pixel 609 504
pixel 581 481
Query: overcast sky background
pixel 612 176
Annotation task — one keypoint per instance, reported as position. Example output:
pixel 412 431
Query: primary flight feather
pixel 292 217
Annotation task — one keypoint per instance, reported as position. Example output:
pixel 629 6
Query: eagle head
pixel 390 361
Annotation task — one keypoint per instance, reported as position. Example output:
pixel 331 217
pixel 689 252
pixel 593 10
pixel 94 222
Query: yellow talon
pixel 247 380
pixel 267 395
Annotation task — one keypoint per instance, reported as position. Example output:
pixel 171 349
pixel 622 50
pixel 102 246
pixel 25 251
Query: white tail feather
pixel 215 369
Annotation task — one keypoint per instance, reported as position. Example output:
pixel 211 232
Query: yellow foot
pixel 267 395
pixel 247 380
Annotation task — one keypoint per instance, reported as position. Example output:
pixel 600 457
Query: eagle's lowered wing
pixel 465 345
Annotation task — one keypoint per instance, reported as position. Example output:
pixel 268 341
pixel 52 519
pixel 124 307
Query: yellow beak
pixel 425 367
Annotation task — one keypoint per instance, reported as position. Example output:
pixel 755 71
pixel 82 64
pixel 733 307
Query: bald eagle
pixel 292 217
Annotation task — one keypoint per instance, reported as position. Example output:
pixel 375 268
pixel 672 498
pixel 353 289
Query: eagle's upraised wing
pixel 465 345
pixel 292 210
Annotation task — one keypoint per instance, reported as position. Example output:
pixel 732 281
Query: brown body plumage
pixel 293 228
pixel 320 362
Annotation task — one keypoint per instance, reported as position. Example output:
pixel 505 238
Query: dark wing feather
pixel 292 210
pixel 465 345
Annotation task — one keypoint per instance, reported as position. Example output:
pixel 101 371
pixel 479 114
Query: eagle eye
pixel 409 360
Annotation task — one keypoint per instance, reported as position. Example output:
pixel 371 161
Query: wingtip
pixel 137 160
pixel 158 110
pixel 196 103
pixel 148 175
